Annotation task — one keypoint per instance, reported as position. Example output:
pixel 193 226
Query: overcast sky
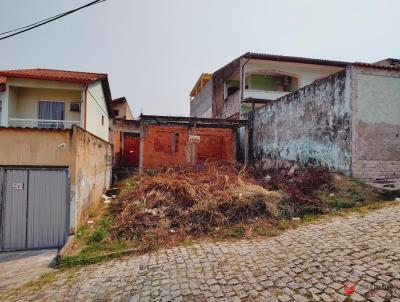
pixel 154 50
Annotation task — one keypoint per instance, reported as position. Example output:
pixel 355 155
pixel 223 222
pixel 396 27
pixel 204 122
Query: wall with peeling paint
pixel 312 124
pixel 376 97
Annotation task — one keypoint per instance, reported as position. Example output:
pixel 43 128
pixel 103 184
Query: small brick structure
pixel 167 141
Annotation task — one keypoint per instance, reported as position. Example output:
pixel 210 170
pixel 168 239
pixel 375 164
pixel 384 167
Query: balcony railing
pixel 37 123
pixel 263 94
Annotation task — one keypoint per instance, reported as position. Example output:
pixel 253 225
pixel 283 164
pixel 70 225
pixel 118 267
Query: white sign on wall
pixel 18 186
pixel 194 139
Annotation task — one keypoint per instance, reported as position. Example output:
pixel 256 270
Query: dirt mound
pixel 191 200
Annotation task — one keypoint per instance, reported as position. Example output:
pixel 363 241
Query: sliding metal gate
pixel 34 208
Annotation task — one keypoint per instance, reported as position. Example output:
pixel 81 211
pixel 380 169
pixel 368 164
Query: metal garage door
pixel 34 208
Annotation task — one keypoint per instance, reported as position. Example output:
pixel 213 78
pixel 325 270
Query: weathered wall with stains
pixel 87 157
pixel 93 168
pixel 218 79
pixel 231 105
pixel 163 148
pixel 310 125
pixel 201 105
pixel 376 97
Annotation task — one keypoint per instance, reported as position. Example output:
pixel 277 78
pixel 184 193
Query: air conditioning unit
pixel 76 106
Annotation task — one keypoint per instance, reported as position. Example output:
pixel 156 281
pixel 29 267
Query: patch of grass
pixel 235 232
pixel 128 185
pixel 94 253
pixel 340 204
pixel 81 232
pixel 358 181
pixel 284 224
pixel 92 214
pixel 267 231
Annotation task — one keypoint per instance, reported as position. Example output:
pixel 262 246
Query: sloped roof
pixel 376 66
pixel 203 79
pixel 262 56
pixel 60 75
pixel 54 75
pixel 120 100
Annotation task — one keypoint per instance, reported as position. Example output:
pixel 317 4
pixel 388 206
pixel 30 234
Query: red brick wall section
pixel 158 149
pixel 215 143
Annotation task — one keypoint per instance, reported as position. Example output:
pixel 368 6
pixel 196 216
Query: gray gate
pixel 34 208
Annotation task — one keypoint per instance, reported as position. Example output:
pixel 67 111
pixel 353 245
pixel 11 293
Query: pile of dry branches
pixel 191 200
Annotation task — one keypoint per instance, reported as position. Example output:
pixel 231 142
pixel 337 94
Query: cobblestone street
pixel 311 263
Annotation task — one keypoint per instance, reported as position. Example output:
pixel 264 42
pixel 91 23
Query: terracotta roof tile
pixel 54 75
pixel 362 64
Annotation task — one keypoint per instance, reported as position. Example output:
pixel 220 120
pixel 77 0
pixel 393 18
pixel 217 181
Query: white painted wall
pixel 96 109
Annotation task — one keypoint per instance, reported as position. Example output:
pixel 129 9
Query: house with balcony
pixel 55 157
pixel 55 99
pixel 253 80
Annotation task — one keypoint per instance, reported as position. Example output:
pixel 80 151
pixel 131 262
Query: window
pixel 102 120
pixel 51 110
pixel 116 112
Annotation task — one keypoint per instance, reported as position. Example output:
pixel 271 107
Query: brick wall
pixel 163 148
pixel 158 149
pixel 215 144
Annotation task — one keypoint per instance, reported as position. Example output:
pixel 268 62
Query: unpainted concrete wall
pixel 93 170
pixel 376 97
pixel 310 125
pixel 231 105
pixel 201 105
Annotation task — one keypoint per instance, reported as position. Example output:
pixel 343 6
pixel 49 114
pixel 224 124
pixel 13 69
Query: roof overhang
pixel 190 121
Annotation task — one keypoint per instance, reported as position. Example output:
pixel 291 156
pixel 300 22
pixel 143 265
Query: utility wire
pixel 23 29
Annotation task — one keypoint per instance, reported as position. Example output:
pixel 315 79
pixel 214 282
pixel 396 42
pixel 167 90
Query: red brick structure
pixel 173 141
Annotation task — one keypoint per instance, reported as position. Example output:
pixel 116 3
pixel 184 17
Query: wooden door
pixel 131 149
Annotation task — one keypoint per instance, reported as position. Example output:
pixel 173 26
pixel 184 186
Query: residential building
pixel 46 98
pixel 121 109
pixel 121 112
pixel 55 158
pixel 348 122
pixel 252 80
